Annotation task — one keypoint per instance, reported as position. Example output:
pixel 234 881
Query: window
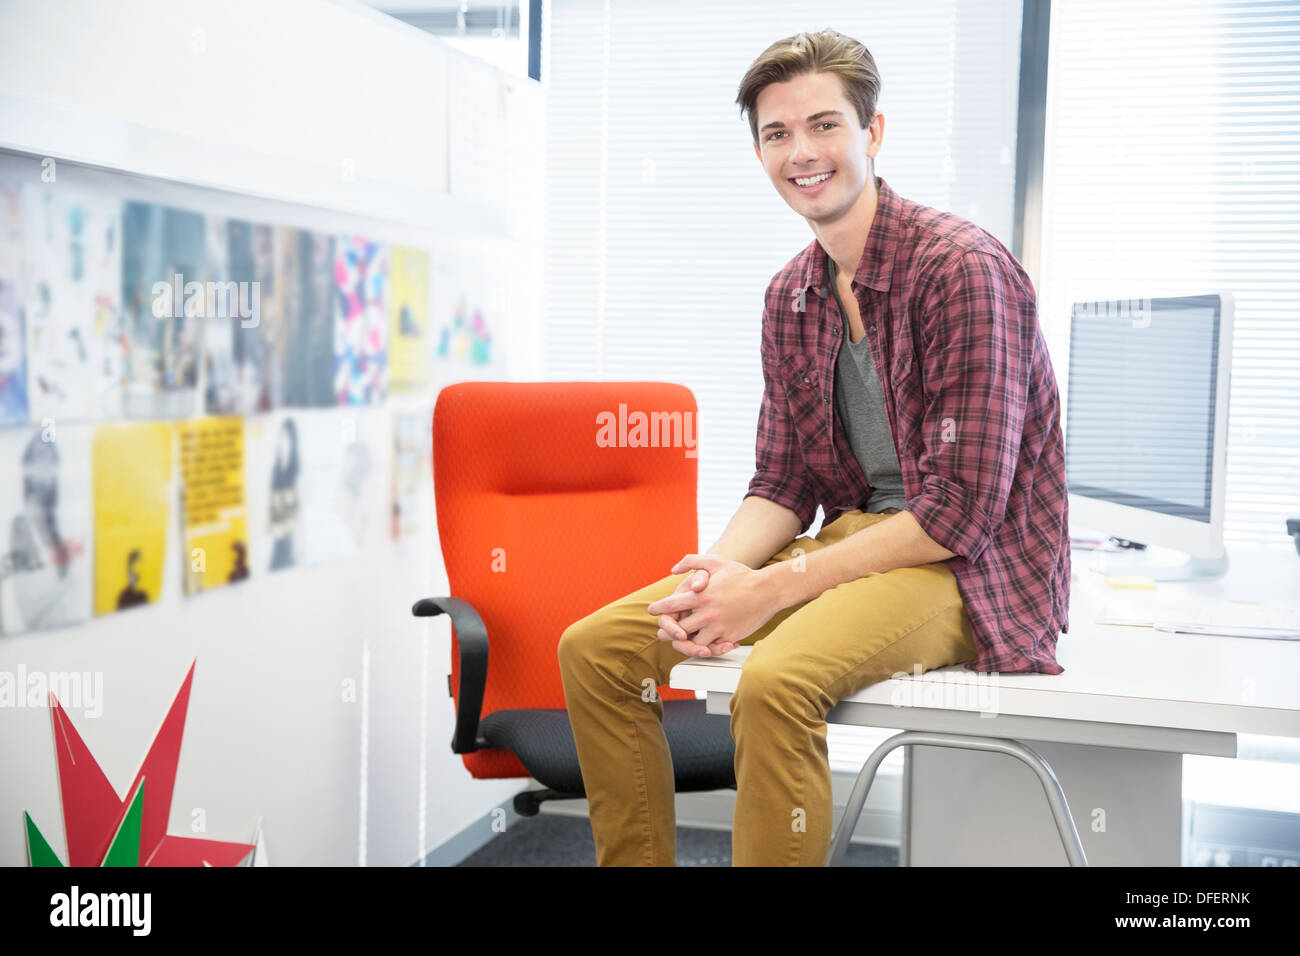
pixel 662 228
pixel 1172 167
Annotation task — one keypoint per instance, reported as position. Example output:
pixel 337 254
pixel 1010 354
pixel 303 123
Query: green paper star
pixel 123 851
pixel 39 852
pixel 125 848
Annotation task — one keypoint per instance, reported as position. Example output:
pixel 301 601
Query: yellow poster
pixel 409 355
pixel 131 467
pixel 213 508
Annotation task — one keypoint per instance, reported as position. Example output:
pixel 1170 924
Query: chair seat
pixel 701 745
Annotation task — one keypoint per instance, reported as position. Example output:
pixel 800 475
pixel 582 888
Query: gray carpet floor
pixel 554 840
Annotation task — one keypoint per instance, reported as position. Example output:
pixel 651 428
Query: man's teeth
pixel 813 180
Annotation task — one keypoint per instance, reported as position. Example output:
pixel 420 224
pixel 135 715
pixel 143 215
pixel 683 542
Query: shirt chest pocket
pixel 806 395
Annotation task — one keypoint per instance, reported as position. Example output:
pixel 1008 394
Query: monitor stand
pixel 1136 563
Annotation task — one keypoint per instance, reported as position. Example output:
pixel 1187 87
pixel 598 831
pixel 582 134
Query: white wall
pixel 272 100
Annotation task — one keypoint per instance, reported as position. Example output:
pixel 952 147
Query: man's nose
pixel 804 150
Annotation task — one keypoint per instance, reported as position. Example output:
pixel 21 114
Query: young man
pixel 908 391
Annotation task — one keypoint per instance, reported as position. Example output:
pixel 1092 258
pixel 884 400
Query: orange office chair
pixel 543 518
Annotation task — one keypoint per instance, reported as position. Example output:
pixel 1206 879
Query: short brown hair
pixel 822 52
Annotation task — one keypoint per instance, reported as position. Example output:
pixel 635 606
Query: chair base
pixel 529 802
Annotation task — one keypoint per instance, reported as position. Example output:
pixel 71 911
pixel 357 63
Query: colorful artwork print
pixel 361 328
pixel 162 251
pixel 214 514
pixel 305 310
pixel 275 463
pixel 131 468
pixel 241 365
pixel 467 339
pixel 45 517
pixel 13 359
pixel 408 356
pixel 312 485
pixel 337 485
pixel 73 242
pixel 412 488
pixel 469 311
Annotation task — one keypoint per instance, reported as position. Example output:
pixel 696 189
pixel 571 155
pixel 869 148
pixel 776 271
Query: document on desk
pixel 1225 618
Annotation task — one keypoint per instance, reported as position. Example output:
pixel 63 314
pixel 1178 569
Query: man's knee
pixel 576 643
pixel 585 640
pixel 773 687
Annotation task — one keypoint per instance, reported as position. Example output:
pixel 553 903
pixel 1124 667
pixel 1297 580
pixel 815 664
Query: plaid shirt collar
pixel 877 264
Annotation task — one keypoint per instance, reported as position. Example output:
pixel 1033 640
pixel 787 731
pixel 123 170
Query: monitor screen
pixel 1141 403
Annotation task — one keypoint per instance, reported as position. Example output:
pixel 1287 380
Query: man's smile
pixel 812 183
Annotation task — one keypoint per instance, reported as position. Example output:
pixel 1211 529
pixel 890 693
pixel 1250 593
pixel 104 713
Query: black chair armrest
pixel 472 644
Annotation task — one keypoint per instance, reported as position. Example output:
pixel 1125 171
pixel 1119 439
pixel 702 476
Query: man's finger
pixel 690 649
pixel 668 624
pixel 694 625
pixel 674 603
pixel 699 562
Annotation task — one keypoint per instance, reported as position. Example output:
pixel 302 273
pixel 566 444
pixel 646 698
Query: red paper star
pixel 92 810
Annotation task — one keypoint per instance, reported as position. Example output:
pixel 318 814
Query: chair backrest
pixel 553 499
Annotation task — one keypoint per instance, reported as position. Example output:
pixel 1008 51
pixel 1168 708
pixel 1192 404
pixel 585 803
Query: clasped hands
pixel 715 608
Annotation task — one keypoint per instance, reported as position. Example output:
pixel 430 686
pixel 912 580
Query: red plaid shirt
pixel 973 409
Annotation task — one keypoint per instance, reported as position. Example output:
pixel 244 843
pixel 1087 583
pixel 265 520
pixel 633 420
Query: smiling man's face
pixel 809 133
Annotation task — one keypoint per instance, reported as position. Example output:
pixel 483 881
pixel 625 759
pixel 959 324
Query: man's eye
pixel 770 136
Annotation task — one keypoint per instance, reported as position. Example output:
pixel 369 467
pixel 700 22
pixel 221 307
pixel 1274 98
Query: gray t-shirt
pixel 861 406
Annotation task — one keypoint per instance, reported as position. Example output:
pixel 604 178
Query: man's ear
pixel 758 152
pixel 879 122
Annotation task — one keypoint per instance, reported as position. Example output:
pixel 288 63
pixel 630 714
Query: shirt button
pixel 805 378
pixel 873 329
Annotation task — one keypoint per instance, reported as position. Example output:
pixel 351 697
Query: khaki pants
pixel 806 658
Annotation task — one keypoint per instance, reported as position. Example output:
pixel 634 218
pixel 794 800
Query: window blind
pixel 662 227
pixel 1171 168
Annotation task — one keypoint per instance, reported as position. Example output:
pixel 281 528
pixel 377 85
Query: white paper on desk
pixel 1179 617
pixel 1144 612
pixel 1236 630
pixel 1132 613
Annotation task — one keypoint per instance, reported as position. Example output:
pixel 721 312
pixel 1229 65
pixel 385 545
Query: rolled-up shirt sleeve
pixel 978 327
pixel 779 474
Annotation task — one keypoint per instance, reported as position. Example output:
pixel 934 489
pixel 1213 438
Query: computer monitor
pixel 1147 430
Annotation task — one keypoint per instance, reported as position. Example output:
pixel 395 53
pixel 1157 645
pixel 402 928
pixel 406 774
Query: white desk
pixel 1114 727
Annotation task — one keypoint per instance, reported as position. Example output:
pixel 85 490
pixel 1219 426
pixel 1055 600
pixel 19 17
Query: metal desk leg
pixel 1012 748
pixel 905 812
